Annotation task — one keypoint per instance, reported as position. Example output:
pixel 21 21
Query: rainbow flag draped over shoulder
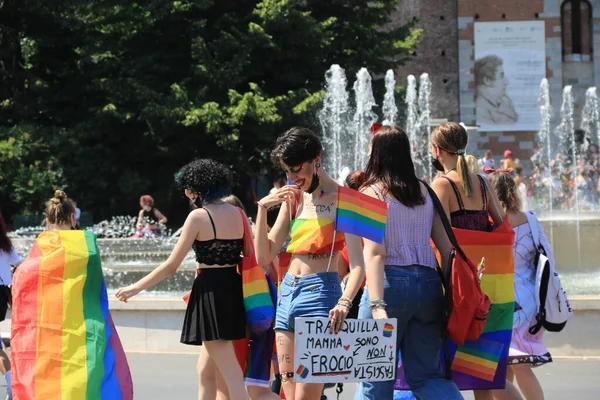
pixel 481 364
pixel 64 345
pixel 360 215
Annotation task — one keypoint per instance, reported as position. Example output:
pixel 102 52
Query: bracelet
pixel 343 298
pixel 377 307
pixel 377 304
pixel 262 205
pixel 344 305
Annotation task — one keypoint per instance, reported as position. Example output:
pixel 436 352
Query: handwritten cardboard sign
pixel 365 350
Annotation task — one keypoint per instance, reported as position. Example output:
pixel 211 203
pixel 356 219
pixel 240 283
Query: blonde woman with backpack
pixel 467 202
pixel 526 350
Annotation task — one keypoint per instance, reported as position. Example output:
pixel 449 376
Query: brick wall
pixel 436 53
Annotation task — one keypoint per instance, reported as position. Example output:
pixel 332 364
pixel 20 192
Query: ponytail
pixel 462 168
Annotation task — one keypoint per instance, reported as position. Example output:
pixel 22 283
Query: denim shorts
pixel 306 296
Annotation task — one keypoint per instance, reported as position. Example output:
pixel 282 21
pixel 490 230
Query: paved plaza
pixel 173 377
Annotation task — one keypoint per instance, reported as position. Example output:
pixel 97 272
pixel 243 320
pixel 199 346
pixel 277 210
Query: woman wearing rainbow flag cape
pixel 469 204
pixel 215 314
pixel 63 341
pixel 402 281
pixel 311 286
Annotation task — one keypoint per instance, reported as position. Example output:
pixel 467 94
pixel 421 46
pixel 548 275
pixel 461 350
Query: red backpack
pixel 467 305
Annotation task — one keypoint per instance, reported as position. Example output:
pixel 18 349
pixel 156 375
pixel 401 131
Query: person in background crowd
pixel 148 219
pixel 215 314
pixel 77 214
pixel 234 201
pixel 278 183
pixel 406 261
pixel 8 258
pixel 526 350
pixel 487 162
pixel 508 161
pixel 255 351
pixel 260 184
pixel 522 188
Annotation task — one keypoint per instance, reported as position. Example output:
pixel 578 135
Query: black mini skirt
pixel 216 307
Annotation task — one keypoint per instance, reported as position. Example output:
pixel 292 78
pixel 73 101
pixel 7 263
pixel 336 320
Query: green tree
pixel 122 93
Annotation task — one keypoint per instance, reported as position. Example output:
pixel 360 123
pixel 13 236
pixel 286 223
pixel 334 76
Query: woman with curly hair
pixel 526 350
pixel 215 314
pixel 311 286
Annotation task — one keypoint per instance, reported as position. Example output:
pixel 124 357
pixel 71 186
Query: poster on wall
pixel 510 63
pixel 364 350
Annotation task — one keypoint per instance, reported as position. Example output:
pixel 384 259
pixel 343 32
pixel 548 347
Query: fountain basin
pixel 561 231
pixel 154 326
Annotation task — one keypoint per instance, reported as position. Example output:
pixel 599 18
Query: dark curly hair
pixel 506 188
pixel 209 178
pixel 296 146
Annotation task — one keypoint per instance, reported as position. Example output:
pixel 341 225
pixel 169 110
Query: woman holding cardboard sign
pixel 402 281
pixel 311 287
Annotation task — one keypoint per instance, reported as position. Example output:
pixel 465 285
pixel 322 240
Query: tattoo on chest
pixel 319 208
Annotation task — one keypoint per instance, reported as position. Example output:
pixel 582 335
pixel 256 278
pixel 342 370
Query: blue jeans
pixel 414 296
pixel 306 296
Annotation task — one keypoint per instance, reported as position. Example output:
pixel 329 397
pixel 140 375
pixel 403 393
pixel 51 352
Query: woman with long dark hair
pixel 8 257
pixel 311 287
pixel 402 281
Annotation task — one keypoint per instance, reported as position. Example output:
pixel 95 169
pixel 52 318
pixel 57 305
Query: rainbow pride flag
pixel 481 364
pixel 360 215
pixel 64 345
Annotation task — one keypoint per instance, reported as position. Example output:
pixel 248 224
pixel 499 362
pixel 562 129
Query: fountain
pixel 425 120
pixel 412 118
pixel 590 116
pixel 333 117
pixel 125 260
pixel 389 108
pixel 364 117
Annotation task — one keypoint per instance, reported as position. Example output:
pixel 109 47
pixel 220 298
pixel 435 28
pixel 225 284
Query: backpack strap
pixel 442 213
pixel 542 295
pixel 446 280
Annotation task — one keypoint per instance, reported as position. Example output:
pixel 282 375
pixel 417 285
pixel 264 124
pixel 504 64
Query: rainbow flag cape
pixel 64 345
pixel 360 215
pixel 481 364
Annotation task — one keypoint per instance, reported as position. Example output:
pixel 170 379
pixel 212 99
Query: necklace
pixel 451 169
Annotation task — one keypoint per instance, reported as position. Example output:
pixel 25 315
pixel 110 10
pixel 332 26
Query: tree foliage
pixel 108 98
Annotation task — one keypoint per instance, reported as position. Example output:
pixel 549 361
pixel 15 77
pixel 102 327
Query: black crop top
pixel 218 251
pixel 149 217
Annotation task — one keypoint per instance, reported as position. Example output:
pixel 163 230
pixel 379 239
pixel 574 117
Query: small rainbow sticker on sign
pixel 302 371
pixel 388 329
